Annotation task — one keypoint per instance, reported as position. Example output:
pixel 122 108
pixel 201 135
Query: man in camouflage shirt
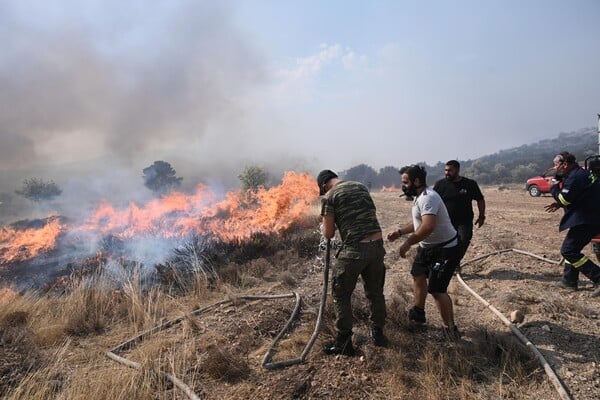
pixel 348 206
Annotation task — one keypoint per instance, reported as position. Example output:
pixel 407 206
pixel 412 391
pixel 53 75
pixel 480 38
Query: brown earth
pixel 218 354
pixel 564 326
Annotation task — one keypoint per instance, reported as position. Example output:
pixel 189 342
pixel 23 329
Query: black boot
pixel 378 337
pixel 341 345
pixel 452 334
pixel 570 286
pixel 416 315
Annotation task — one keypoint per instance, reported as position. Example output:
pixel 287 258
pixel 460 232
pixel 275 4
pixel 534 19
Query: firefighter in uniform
pixel 578 193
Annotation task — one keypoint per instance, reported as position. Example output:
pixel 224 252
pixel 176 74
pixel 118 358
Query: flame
pixel 237 216
pixel 154 219
pixel 266 210
pixel 392 188
pixel 22 244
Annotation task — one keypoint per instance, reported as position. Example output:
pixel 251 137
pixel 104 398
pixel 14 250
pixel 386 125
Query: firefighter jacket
pixel 579 195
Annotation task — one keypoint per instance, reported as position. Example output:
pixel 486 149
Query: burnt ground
pixel 219 353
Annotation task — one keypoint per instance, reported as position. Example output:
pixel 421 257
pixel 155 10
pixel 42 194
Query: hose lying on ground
pixel 554 379
pixel 266 362
pixel 273 365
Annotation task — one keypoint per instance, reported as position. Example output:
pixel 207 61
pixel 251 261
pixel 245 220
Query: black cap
pixel 325 176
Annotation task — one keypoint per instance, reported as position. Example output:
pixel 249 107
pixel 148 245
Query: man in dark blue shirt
pixel 578 193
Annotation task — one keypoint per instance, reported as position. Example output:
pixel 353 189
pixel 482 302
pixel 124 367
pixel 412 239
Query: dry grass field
pixel 54 346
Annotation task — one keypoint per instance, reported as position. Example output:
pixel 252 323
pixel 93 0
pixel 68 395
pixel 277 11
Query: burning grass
pixel 26 239
pixel 204 231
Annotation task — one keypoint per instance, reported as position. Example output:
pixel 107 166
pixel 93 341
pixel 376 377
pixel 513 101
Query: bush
pixel 253 177
pixel 37 190
pixel 160 177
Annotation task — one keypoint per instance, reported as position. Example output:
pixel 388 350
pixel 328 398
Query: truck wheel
pixel 534 191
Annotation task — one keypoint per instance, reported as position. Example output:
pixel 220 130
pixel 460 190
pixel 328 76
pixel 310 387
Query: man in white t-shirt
pixel 438 254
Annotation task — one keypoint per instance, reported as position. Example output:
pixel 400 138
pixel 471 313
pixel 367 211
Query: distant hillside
pixel 513 165
pixel 519 163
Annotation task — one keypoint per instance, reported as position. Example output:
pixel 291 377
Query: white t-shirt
pixel 430 203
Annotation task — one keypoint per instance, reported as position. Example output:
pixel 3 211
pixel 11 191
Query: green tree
pixel 253 177
pixel 501 173
pixel 38 190
pixel 160 177
pixel 522 172
pixel 361 173
pixel 388 176
pixel 436 172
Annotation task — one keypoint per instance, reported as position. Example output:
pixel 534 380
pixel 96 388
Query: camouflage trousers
pixel 364 260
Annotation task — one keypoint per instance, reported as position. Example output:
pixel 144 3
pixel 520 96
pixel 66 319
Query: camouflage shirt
pixel 353 210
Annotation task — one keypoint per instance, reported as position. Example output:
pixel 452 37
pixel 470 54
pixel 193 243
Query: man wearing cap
pixel 578 193
pixel 348 206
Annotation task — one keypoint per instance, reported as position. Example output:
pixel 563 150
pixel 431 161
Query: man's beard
pixel 409 191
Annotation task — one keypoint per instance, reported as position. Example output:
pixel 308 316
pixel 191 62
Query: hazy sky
pixel 298 84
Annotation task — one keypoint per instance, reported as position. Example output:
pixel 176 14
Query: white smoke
pixel 153 80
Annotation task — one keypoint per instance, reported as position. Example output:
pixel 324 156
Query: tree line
pixel 514 165
pixel 160 177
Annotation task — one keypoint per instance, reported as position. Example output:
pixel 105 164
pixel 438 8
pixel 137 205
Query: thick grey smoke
pixel 133 81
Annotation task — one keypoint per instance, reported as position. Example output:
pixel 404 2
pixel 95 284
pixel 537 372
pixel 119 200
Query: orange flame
pixel 22 244
pixel 237 216
pixel 392 188
pixel 156 218
pixel 266 210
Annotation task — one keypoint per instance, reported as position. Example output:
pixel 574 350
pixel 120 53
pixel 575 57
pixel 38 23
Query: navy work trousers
pixel 575 261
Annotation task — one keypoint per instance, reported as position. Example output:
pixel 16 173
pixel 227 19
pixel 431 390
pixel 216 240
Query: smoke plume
pixel 151 78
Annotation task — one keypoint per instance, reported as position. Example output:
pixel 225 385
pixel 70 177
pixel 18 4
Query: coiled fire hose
pixel 554 379
pixel 266 361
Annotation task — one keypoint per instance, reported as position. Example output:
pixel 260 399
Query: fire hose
pixel 279 364
pixel 266 361
pixel 554 379
pixel 268 364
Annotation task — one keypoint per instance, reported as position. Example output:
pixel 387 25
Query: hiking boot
pixel 342 345
pixel 596 292
pixel 378 337
pixel 568 285
pixel 416 315
pixel 452 333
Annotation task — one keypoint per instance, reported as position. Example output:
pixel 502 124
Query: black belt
pixel 371 242
pixel 438 245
